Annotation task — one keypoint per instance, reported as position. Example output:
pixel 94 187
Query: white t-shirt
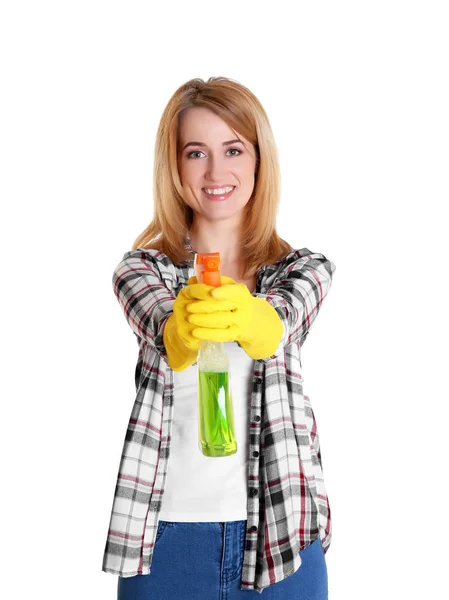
pixel 198 487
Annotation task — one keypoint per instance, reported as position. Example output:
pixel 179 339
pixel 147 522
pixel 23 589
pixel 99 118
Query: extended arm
pixel 297 294
pixel 264 323
pixel 153 312
pixel 143 296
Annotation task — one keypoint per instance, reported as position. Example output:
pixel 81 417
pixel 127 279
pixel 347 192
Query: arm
pixel 145 299
pixel 264 323
pixel 297 293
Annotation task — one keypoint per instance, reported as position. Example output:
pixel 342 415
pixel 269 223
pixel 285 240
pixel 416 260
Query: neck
pixel 219 237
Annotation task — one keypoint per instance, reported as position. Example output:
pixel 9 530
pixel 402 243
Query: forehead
pixel 202 125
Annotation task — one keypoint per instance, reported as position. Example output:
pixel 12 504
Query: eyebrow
pixel 205 145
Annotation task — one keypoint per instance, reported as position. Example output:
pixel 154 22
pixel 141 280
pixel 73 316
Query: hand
pixel 231 313
pixel 180 345
pixel 189 295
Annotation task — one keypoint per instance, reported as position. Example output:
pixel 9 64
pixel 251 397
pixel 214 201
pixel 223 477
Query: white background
pixel 357 95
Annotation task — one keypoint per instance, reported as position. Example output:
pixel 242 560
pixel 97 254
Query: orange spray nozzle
pixel 207 268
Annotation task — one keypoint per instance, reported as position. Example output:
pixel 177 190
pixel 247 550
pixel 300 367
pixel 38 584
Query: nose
pixel 215 168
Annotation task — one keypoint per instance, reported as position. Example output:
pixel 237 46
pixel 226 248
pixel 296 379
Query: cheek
pixel 247 169
pixel 189 172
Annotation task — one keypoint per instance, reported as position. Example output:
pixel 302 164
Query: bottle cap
pixel 208 268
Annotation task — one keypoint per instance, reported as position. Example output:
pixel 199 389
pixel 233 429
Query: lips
pixel 219 196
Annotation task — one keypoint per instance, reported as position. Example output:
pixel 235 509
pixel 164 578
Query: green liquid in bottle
pixel 215 414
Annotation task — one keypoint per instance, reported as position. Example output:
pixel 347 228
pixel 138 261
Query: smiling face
pixel 210 155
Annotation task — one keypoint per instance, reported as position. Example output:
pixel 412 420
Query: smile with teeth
pixel 219 192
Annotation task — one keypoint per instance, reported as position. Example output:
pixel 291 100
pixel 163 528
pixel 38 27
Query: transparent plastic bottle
pixel 215 410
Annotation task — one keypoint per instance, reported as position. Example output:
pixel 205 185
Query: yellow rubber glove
pixel 232 313
pixel 180 345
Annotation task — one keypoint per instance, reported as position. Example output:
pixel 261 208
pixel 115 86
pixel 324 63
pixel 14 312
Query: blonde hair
pixel 242 111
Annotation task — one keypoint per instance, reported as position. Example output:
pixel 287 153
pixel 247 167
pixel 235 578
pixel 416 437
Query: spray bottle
pixel 215 410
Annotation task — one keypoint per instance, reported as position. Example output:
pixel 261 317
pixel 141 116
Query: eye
pixel 194 152
pixel 200 152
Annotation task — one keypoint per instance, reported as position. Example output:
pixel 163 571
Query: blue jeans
pixel 203 561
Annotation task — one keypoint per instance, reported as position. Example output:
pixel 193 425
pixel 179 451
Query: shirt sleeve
pixel 145 299
pixel 297 293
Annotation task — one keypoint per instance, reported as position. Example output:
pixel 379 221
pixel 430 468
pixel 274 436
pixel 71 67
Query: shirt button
pixel 252 529
pixel 255 454
pixel 257 418
pixel 254 492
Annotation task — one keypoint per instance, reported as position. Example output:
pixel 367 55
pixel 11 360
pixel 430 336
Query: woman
pixel 184 525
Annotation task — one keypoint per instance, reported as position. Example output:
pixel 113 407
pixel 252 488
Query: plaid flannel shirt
pixel 287 505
